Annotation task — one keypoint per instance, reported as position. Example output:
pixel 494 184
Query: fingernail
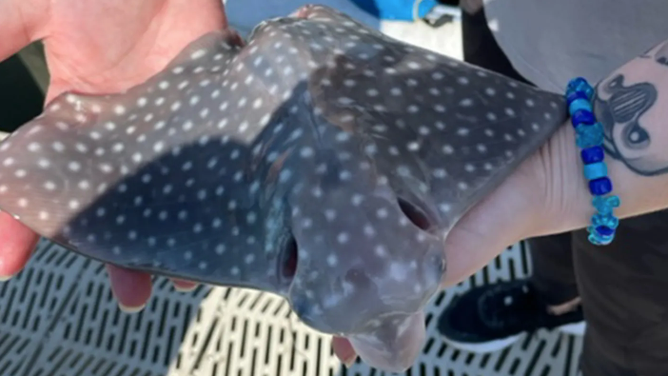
pixel 350 361
pixel 184 289
pixel 130 309
pixel 5 278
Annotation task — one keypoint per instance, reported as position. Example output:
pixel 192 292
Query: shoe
pixel 493 317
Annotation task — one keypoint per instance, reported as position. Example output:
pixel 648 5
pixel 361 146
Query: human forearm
pixel 632 105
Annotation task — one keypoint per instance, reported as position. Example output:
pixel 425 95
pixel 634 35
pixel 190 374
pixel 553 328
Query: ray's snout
pixel 394 345
pixel 362 257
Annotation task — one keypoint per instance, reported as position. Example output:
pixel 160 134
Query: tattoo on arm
pixel 621 109
pixel 659 53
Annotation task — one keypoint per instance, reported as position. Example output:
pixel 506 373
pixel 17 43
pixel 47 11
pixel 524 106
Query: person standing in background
pixel 619 289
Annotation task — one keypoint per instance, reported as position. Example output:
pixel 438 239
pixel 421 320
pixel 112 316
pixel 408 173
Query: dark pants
pixel 623 286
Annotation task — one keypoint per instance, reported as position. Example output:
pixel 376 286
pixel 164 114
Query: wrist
pixel 589 135
pixel 566 201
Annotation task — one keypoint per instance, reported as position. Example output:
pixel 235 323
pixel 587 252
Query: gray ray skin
pixel 321 161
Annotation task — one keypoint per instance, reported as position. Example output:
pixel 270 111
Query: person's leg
pixel 489 318
pixel 553 275
pixel 624 290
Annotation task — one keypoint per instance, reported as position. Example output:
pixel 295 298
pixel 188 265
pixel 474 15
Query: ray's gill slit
pixel 414 214
pixel 289 259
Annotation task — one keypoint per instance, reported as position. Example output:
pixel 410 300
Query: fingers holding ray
pixel 132 289
pixel 17 243
pixel 343 350
pixel 182 285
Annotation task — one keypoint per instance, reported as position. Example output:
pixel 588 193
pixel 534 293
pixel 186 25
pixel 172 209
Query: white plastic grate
pixel 58 318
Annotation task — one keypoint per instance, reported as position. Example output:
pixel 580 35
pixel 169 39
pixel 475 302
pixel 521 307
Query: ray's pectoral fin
pixel 97 140
pixel 152 178
pixel 497 125
pixel 446 133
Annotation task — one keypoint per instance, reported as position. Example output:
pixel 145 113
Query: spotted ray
pixel 321 161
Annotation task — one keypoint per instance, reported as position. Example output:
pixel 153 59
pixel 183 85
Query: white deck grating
pixel 58 318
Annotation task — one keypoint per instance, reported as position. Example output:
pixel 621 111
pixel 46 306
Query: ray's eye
pixel 414 214
pixel 289 259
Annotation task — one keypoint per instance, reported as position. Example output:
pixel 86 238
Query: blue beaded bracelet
pixel 589 138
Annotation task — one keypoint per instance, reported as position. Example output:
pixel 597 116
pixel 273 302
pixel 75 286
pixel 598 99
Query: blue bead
pixel 582 117
pixel 604 206
pixel 575 95
pixel 579 104
pixel 598 239
pixel 607 220
pixel 589 135
pixel 592 155
pixel 605 231
pixel 600 186
pixel 600 235
pixel 595 170
pixel 576 83
pixel 579 84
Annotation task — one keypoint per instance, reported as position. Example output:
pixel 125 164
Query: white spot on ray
pixel 332 260
pixel 198 54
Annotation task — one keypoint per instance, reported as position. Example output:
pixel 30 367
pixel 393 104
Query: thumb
pixel 510 213
pixel 21 23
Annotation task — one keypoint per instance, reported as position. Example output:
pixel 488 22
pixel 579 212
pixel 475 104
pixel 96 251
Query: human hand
pixel 103 46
